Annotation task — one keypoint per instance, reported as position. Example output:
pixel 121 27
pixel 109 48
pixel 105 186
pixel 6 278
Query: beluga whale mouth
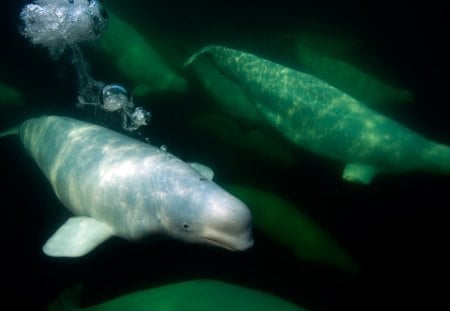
pixel 236 247
pixel 232 242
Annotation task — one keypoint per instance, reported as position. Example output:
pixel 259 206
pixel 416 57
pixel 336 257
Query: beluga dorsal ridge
pixel 119 186
pixel 324 120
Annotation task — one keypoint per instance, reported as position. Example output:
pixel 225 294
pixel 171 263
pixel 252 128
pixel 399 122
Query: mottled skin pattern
pixel 135 188
pixel 351 79
pixel 323 119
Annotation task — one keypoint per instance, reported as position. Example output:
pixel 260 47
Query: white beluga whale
pixel 322 119
pixel 119 186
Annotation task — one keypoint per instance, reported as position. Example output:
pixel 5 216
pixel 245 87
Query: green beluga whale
pixel 286 224
pixel 324 120
pixel 137 60
pixel 341 60
pixel 192 295
pixel 119 186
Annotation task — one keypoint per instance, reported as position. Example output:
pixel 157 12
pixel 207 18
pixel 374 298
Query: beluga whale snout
pixel 227 223
pixel 199 211
pixel 119 186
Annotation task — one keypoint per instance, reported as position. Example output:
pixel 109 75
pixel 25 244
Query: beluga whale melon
pixel 118 186
pixel 324 120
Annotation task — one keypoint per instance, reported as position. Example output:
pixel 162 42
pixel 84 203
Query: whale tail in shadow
pixel 11 131
pixel 197 54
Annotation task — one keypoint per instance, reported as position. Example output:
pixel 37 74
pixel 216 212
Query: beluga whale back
pixel 322 119
pixel 119 186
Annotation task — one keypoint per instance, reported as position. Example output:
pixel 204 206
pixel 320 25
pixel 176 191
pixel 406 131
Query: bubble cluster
pixel 56 24
pixel 64 24
pixel 115 98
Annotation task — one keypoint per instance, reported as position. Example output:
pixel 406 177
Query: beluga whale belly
pixel 119 186
pixel 322 119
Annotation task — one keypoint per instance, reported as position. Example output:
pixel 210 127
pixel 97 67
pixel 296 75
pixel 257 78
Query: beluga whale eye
pixel 185 226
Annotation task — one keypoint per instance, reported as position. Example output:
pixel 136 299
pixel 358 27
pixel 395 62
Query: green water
pixel 360 247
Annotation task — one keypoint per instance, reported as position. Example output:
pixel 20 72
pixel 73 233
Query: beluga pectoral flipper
pixel 322 119
pixel 118 186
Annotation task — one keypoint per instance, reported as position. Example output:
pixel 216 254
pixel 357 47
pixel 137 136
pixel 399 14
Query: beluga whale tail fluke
pixel 326 121
pixel 118 186
pixel 11 131
pixel 194 56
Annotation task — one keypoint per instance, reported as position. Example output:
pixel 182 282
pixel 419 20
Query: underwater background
pixel 394 230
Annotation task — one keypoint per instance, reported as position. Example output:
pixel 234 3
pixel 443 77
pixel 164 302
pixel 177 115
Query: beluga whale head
pixel 207 214
pixel 226 222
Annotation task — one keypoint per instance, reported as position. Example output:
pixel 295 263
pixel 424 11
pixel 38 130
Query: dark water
pixel 395 229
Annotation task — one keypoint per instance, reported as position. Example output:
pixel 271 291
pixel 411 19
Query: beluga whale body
pixel 119 186
pixel 324 120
